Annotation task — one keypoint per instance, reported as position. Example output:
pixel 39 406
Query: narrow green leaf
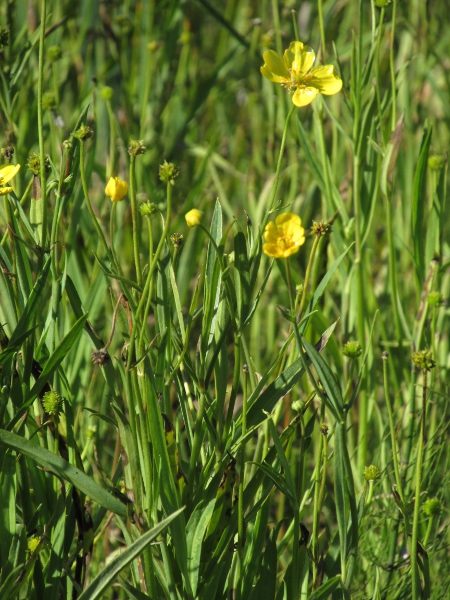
pixel 63 469
pixel 327 588
pixel 418 207
pixel 328 380
pixel 110 572
pixel 241 276
pixel 195 532
pixel 26 321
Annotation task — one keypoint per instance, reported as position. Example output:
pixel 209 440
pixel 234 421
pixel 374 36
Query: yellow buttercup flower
pixel 7 172
pixel 193 217
pixel 116 189
pixel 284 237
pixel 294 72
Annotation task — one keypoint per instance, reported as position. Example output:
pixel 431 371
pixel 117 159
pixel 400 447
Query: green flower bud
pixel 48 101
pixel 54 53
pixel 106 92
pixel 436 162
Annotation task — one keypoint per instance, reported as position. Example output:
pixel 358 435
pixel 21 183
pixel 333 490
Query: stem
pixel 99 230
pixel 392 68
pixel 275 183
pixel 416 587
pixel 307 276
pixel 322 30
pixel 134 219
pixel 112 140
pixel 40 117
pixel 151 270
pixel 398 479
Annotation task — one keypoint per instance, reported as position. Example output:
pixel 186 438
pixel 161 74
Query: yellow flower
pixel 7 172
pixel 294 72
pixel 284 237
pixel 193 217
pixel 116 189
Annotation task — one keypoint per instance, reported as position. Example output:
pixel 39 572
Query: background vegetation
pixel 215 398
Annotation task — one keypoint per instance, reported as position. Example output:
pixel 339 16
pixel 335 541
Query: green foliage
pixel 180 415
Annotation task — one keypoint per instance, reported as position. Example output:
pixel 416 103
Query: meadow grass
pixel 181 415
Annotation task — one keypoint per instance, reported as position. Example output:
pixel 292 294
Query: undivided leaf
pixel 63 469
pixel 109 574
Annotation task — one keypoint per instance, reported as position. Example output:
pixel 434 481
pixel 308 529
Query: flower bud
pixel 116 189
pixel 193 217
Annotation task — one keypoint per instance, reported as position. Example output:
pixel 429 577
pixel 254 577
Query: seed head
pixel 352 349
pixel 168 172
pixel 371 473
pixel 423 359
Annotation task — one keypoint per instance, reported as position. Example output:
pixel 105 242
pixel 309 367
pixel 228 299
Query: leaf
pixel 195 532
pixel 26 321
pixel 110 572
pixel 418 207
pixel 63 469
pixel 333 396
pixel 241 277
pixel 326 589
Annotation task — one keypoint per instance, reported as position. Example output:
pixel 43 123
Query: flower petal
pixel 304 95
pixel 273 250
pixel 290 250
pixel 7 172
pixel 325 80
pixel 299 58
pixel 271 233
pixel 274 68
pixel 5 190
pixel 288 218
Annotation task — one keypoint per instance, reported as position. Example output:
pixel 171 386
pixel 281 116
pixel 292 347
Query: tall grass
pixel 182 416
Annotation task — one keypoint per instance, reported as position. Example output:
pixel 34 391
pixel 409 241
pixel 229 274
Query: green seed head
pixel 321 228
pixel 83 133
pixel 423 359
pixel 432 507
pixel 52 402
pixel 371 473
pixel 136 147
pixel 148 208
pixel 54 53
pixel 435 299
pixel 168 172
pixel 107 92
pixel 34 164
pixel 177 239
pixel 352 349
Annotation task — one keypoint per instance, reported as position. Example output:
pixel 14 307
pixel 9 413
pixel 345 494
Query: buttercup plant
pixel 181 412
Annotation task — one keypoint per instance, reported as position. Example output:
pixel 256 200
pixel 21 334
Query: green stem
pixel 307 276
pixel 393 269
pixel 241 529
pixel 134 218
pixel 416 587
pixel 322 30
pixel 40 118
pixel 273 194
pixel 398 479
pixel 151 270
pixel 112 141
pixel 150 292
pixel 392 67
pixel 95 222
